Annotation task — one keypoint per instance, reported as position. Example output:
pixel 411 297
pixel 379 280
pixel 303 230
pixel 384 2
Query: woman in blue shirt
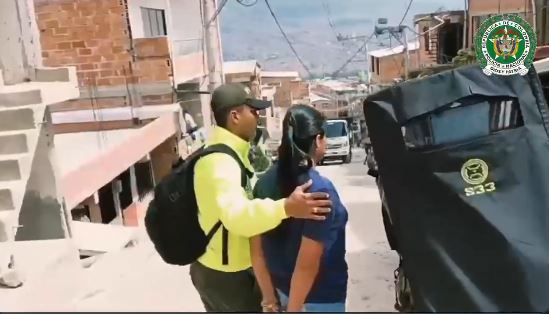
pixel 301 262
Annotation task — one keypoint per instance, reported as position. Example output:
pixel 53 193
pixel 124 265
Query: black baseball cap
pixel 236 94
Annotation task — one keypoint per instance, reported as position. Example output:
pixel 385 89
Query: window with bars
pixel 462 121
pixel 154 22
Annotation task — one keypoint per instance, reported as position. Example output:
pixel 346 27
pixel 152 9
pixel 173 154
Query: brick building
pixel 135 64
pixel 338 98
pixel 128 54
pixel 325 105
pixel 290 89
pixel 247 72
pixel 388 65
pixel 442 36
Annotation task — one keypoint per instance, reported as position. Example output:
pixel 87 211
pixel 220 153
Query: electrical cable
pixel 406 12
pixel 247 4
pixel 355 54
pixel 286 38
pixel 326 8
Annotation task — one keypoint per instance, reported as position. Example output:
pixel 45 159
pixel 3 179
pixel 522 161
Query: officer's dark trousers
pixel 226 292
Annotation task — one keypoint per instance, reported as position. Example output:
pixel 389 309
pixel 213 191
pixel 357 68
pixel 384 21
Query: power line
pixel 327 10
pixel 354 55
pixel 244 3
pixel 286 38
pixel 406 12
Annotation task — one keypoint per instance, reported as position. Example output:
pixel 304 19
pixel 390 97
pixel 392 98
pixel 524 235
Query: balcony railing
pixel 183 47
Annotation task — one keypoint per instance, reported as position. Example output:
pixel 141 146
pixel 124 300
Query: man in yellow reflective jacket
pixel 227 284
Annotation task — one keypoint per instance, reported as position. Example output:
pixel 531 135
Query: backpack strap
pixel 222 148
pixel 245 174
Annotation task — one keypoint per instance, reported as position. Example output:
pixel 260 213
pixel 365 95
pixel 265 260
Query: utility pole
pixel 213 54
pixel 401 30
pixel 407 59
pixel 361 37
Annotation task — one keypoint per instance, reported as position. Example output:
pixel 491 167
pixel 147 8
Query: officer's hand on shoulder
pixel 301 204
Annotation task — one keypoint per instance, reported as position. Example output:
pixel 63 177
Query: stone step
pixel 23 98
pixel 52 74
pixel 13 200
pixel 17 119
pixel 10 170
pixel 13 144
pixel 6 200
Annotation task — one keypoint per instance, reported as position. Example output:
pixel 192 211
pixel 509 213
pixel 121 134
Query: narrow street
pixel 137 280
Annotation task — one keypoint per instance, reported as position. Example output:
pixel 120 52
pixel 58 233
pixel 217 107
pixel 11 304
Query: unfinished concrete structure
pixel 128 55
pixel 138 64
pixel 115 133
pixel 31 203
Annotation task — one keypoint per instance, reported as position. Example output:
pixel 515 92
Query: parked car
pixel 339 141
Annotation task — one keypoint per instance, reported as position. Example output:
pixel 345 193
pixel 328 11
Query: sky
pixel 251 33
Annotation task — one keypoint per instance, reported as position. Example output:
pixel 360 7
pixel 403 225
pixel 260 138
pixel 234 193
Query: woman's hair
pixel 300 128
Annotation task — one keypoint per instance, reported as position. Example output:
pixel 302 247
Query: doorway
pixel 106 203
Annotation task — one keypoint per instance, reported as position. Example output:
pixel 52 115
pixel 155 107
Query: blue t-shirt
pixel 281 245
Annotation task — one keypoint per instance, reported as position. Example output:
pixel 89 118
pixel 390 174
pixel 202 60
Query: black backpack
pixel 172 216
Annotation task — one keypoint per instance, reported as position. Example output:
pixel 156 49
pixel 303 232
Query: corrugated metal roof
pixel 315 97
pixel 243 66
pixel 393 51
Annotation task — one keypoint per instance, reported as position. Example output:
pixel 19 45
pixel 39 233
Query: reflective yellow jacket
pixel 219 196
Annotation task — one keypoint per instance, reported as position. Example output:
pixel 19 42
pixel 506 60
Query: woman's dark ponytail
pixel 301 125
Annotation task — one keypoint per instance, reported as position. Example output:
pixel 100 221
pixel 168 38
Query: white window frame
pixel 154 22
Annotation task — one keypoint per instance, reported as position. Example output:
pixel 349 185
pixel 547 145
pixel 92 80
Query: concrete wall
pixel 42 216
pixel 300 90
pixel 283 96
pixel 90 176
pixel 328 108
pixel 13 59
pixel 33 48
pixel 187 21
pixel 163 157
pixel 136 18
pixel 20 39
pixel 391 67
pixel 183 18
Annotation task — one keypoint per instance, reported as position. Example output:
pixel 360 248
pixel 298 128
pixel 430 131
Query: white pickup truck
pixel 339 141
